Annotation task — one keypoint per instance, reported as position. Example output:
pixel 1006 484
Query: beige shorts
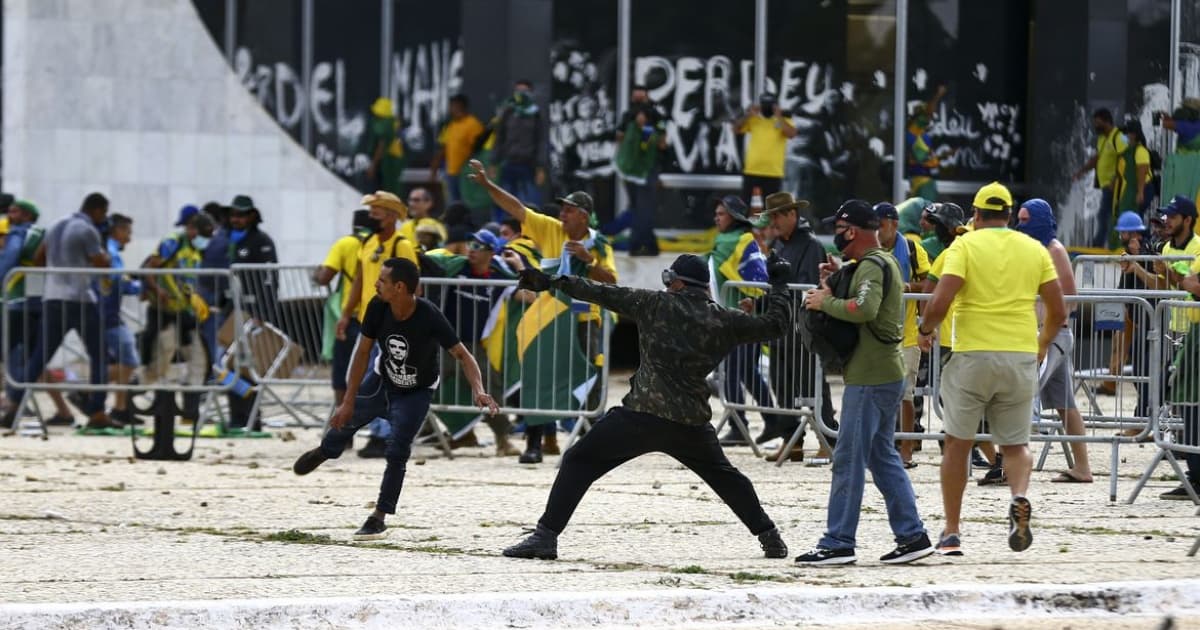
pixel 997 385
pixel 912 363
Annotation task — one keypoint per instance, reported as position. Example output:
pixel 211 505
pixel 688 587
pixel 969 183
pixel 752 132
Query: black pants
pixel 766 186
pixel 622 435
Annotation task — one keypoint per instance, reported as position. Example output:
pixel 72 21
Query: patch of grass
pixel 119 487
pixel 746 576
pixel 437 549
pixel 691 569
pixel 297 536
pixel 1063 549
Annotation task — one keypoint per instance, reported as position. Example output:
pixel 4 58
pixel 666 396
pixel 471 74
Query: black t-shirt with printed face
pixel 409 350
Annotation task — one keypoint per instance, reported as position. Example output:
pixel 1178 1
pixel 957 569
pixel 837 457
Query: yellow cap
pixel 382 107
pixel 994 196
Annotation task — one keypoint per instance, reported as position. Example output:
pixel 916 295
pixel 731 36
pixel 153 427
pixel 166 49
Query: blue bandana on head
pixel 1041 224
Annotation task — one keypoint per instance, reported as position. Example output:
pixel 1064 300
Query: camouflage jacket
pixel 681 339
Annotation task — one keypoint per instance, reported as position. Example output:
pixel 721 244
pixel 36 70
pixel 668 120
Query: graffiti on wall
pixel 422 79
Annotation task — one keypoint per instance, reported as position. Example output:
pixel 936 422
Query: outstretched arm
pixel 622 300
pixel 772 324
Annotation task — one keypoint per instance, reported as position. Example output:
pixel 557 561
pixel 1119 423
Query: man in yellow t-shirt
pixel 1110 144
pixel 994 276
pixel 769 130
pixel 342 260
pixel 385 210
pixel 1179 217
pixel 456 143
pixel 569 246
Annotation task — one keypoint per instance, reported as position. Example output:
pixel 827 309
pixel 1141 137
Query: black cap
pixel 6 200
pixel 856 212
pixel 242 203
pixel 885 210
pixel 1180 205
pixel 691 269
pixel 579 199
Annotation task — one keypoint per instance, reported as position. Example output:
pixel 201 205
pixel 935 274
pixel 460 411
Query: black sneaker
pixel 772 544
pixel 909 552
pixel 1019 515
pixel 9 418
pixel 1180 493
pixel 994 477
pixel 979 461
pixel 531 456
pixel 373 529
pixel 541 544
pixel 376 447
pixel 821 556
pixel 308 462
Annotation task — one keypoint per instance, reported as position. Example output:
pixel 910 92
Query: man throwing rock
pixel 683 335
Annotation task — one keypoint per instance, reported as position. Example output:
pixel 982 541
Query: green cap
pixel 27 206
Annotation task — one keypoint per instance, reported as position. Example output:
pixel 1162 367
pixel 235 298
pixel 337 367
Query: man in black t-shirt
pixel 411 333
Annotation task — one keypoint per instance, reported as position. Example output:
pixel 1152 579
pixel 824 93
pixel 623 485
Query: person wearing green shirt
pixel 385 149
pixel 874 379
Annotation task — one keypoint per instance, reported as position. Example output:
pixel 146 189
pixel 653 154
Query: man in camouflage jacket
pixel 682 336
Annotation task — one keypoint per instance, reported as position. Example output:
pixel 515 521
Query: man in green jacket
pixel 874 380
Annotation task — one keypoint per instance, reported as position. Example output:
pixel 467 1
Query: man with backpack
pixel 872 299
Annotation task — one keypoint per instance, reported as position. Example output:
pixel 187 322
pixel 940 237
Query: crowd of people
pixel 996 319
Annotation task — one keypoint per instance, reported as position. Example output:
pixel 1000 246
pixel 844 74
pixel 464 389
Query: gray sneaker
pixel 541 544
pixel 949 544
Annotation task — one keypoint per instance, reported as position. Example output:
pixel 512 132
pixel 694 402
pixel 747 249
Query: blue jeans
pixel 1104 218
pixel 60 317
pixel 454 185
pixel 405 412
pixel 518 179
pixel 866 441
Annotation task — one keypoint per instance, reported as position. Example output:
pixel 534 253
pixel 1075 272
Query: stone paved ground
pixel 80 521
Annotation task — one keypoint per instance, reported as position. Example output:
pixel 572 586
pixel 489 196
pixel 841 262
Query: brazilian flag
pixel 555 370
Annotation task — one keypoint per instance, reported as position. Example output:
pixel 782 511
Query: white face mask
pixel 200 242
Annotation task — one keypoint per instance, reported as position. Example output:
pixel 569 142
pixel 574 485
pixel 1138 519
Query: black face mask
pixel 840 241
pixel 372 224
pixel 768 110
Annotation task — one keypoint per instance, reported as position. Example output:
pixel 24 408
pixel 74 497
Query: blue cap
pixel 488 239
pixel 885 210
pixel 1180 205
pixel 1129 221
pixel 186 213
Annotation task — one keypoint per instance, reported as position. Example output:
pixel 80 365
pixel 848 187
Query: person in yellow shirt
pixel 769 130
pixel 420 215
pixel 342 260
pixel 1110 144
pixel 1180 219
pixel 570 246
pixel 993 275
pixel 456 143
pixel 384 210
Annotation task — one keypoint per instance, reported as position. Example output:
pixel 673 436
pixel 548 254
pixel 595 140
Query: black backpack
pixel 834 340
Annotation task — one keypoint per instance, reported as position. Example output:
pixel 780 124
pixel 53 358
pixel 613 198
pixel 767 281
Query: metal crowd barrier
pixel 283 342
pixel 1175 391
pixel 1104 271
pixel 163 352
pixel 540 355
pixel 1097 314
